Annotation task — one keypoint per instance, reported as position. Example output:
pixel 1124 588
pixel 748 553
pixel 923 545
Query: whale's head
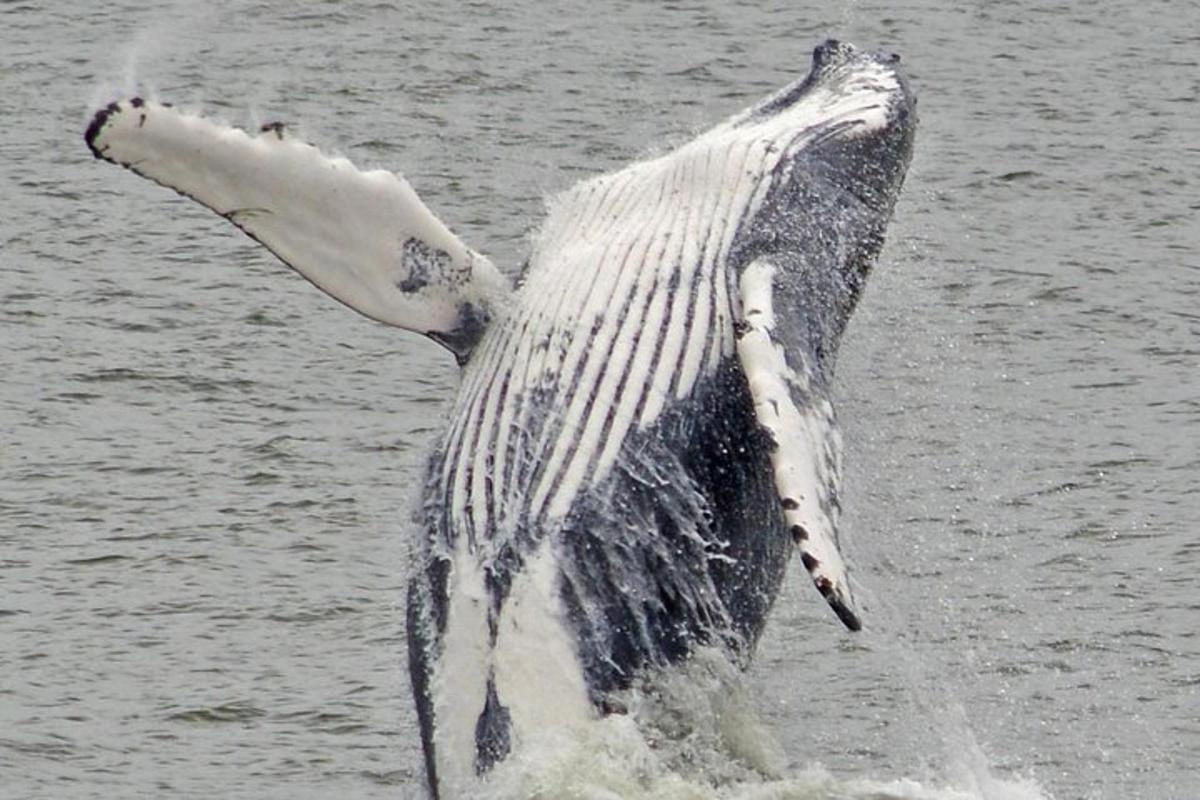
pixel 847 92
pixel 844 135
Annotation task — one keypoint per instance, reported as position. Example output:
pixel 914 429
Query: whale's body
pixel 644 429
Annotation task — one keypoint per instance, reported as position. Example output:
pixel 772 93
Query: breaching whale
pixel 644 429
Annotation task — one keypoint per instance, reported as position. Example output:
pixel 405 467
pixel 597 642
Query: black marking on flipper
pixel 425 265
pixel 833 598
pixel 235 214
pixel 97 124
pixel 848 617
pixel 471 322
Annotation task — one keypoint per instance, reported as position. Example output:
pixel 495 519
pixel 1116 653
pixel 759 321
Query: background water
pixel 207 466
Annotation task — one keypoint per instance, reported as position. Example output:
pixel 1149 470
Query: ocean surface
pixel 207 467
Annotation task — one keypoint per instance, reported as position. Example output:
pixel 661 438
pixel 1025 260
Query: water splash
pixel 689 734
pixel 171 34
pixel 963 767
pixel 147 44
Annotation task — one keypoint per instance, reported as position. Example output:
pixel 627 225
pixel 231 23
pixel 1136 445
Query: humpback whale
pixel 644 431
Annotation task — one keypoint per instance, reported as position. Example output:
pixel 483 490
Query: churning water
pixel 207 466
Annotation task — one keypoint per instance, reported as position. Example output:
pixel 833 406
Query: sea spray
pixel 689 733
pixel 956 759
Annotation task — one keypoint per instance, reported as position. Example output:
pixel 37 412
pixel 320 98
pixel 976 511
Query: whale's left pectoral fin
pixel 806 446
pixel 365 238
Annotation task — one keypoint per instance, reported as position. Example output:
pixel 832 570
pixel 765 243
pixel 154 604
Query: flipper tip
pixel 97 124
pixel 838 601
pixel 845 614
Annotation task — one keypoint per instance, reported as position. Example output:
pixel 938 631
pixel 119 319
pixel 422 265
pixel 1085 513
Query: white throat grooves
pixel 807 451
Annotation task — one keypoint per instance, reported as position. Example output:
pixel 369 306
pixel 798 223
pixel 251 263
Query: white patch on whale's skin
pixel 459 685
pixel 538 673
pixel 808 447
pixel 535 665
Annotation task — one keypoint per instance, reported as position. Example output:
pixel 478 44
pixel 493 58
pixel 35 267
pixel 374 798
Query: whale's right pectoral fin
pixel 363 237
pixel 806 448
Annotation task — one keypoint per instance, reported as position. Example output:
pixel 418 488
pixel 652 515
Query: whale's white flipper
pixel 363 237
pixel 806 453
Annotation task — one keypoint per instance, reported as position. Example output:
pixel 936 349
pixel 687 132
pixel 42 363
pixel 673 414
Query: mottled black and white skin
pixel 644 430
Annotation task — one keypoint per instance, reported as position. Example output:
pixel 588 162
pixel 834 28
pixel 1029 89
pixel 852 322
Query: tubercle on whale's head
pixel 831 54
pixel 844 76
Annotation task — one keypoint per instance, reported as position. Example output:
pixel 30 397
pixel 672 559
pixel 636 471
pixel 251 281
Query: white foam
pixel 690 734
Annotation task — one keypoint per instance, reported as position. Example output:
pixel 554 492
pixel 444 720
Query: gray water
pixel 207 466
